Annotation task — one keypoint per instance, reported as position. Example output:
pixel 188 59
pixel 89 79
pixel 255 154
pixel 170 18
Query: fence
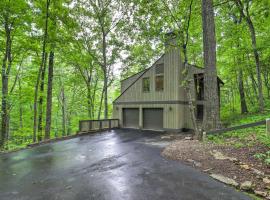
pixel 96 125
pixel 259 123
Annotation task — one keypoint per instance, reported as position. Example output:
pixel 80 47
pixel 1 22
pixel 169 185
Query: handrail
pixel 236 127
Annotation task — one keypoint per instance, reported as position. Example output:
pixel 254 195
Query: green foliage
pixel 135 35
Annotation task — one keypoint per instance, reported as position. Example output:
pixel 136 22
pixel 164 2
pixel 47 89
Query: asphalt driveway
pixel 116 165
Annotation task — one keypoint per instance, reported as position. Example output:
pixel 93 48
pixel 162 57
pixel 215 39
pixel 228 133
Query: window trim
pixel 149 87
pixel 159 90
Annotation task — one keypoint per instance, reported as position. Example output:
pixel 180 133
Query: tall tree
pixel 244 11
pixel 42 64
pixel 49 96
pixel 12 15
pixel 211 118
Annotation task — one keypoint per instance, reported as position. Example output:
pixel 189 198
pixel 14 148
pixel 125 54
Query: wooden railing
pixel 97 125
pixel 259 123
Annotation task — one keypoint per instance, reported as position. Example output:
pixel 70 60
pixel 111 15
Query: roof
pixel 147 69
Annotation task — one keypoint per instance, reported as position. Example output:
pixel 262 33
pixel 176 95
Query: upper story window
pixel 146 84
pixel 160 68
pixel 159 80
pixel 159 83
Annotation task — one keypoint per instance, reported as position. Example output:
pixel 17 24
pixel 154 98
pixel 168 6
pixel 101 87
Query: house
pixel 155 98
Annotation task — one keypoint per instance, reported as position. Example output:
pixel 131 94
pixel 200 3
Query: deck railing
pixel 97 125
pixel 243 126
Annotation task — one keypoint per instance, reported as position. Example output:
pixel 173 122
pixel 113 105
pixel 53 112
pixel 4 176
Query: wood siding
pixel 173 99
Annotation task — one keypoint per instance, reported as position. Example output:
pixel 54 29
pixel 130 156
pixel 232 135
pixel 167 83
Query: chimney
pixel 170 40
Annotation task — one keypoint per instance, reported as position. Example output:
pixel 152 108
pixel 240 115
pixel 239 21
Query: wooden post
pixel 90 125
pixel 80 126
pixel 204 136
pixel 268 126
pixel 100 125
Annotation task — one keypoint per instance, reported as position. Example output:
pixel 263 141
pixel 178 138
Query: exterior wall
pixel 172 65
pixel 173 114
pixel 127 82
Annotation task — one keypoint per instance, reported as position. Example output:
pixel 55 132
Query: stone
pixel 219 156
pixel 266 180
pixel 260 193
pixel 247 185
pixel 225 180
pixel 195 163
pixel 188 138
pixel 258 172
pixel 245 166
pixel 166 137
pixel 207 170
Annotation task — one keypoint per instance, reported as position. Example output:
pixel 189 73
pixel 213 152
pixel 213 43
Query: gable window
pixel 160 69
pixel 146 84
pixel 159 83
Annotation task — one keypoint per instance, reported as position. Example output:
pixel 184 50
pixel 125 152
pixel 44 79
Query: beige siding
pixel 173 117
pixel 127 82
pixel 173 99
pixel 172 65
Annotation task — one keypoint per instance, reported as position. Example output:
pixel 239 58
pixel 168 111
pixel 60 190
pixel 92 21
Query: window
pixel 160 69
pixel 146 84
pixel 159 83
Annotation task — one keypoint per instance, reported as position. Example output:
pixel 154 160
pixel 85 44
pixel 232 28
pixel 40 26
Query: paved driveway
pixel 116 165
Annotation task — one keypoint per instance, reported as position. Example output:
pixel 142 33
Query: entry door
pixel 131 117
pixel 153 118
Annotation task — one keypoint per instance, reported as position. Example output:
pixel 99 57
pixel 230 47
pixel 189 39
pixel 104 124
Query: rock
pixel 207 170
pixel 266 180
pixel 190 160
pixel 166 137
pixel 258 172
pixel 225 180
pixel 247 185
pixel 188 138
pixel 219 156
pixel 68 187
pixel 260 193
pixel 245 166
pixel 195 163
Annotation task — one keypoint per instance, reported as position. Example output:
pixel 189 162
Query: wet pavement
pixel 116 165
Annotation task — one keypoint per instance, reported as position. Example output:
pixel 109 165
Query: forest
pixel 62 60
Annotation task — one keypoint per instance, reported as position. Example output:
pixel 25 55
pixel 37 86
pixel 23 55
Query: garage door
pixel 153 118
pixel 131 117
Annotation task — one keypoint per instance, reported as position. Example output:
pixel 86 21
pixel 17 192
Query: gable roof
pixel 147 69
pixel 144 71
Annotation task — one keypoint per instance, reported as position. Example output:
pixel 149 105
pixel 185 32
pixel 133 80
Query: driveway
pixel 116 165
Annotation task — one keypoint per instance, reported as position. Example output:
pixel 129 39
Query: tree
pixel 244 11
pixel 211 118
pixel 49 96
pixel 12 15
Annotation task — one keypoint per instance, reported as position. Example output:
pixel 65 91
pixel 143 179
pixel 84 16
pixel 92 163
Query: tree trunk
pixel 5 79
pixel 20 99
pixel 49 96
pixel 41 97
pixel 242 92
pixel 104 48
pixel 247 17
pixel 89 101
pixel 63 109
pixel 40 70
pixel 101 101
pixel 211 118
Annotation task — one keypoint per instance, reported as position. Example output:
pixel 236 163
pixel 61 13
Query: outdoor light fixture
pixel 117 108
pixel 170 108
